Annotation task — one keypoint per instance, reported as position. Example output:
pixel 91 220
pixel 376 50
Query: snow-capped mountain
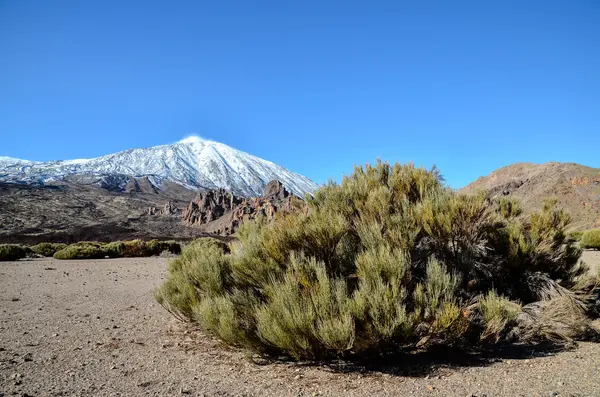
pixel 193 162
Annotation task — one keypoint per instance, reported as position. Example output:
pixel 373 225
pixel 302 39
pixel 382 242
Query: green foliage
pixel 13 252
pixel 115 248
pixel 209 241
pixel 389 259
pixel 498 314
pixel 157 247
pixel 575 236
pixel 134 249
pixel 591 239
pixel 47 249
pixel 202 267
pixel 85 250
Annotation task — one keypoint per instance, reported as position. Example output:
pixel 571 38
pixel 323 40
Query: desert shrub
pixel 575 236
pixel 591 239
pixel 81 251
pixel 156 247
pixel 12 252
pixel 48 249
pixel 114 249
pixel 134 249
pixel 390 259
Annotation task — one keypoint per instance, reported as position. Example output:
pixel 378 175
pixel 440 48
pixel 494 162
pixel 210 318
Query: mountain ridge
pixel 576 187
pixel 193 162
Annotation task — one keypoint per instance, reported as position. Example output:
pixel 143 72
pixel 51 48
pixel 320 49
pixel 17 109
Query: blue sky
pixel 315 86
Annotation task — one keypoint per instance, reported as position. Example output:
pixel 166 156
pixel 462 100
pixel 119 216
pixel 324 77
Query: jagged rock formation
pixel 576 187
pixel 221 212
pixel 210 206
pixel 166 210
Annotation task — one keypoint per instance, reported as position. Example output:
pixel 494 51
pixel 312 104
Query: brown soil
pixel 92 328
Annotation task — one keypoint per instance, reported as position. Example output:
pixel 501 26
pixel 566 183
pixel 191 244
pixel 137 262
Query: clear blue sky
pixel 315 86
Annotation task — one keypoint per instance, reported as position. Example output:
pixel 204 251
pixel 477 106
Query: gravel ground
pixel 92 328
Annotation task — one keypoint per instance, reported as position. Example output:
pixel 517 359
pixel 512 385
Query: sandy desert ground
pixel 92 328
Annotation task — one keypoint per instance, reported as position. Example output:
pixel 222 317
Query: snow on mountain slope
pixel 193 162
pixel 6 161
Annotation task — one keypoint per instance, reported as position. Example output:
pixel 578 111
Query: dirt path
pixel 92 328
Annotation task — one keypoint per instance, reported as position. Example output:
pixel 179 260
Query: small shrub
pixel 114 249
pixel 209 242
pixel 87 243
pixel 82 251
pixel 12 252
pixel 156 247
pixel 591 239
pixel 48 249
pixel 134 249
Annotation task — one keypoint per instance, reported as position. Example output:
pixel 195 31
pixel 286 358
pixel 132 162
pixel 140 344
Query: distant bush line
pixel 118 249
pixel 90 250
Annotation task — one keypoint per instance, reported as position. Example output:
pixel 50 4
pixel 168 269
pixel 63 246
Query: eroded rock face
pixel 221 212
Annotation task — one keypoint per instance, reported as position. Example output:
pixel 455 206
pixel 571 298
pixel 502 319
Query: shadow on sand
pixel 430 362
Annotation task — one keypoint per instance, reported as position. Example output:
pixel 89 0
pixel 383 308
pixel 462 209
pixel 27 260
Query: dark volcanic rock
pixel 221 212
pixel 209 206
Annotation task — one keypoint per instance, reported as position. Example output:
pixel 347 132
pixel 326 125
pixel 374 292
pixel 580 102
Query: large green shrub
pixel 389 259
pixel 12 252
pixel 591 239
pixel 48 249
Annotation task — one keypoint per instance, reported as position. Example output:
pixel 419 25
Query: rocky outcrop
pixel 276 190
pixel 221 212
pixel 166 210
